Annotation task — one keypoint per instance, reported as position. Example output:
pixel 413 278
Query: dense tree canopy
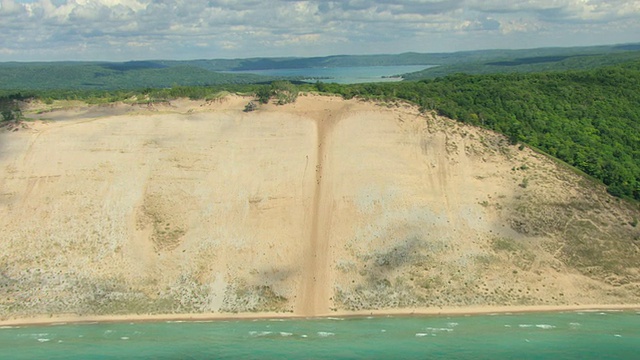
pixel 589 119
pixel 10 107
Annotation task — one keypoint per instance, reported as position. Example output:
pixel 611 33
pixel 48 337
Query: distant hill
pixel 458 60
pixel 110 76
pixel 168 73
pixel 536 60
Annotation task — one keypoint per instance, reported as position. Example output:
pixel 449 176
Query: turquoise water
pixel 571 335
pixel 343 75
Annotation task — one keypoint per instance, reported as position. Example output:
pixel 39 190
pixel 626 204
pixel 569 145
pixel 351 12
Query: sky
pixel 122 30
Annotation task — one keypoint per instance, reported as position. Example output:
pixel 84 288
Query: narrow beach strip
pixel 437 311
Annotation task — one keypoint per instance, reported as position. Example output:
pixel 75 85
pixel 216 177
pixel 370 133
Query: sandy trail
pixel 316 289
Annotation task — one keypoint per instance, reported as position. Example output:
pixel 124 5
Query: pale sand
pixel 324 207
pixel 445 311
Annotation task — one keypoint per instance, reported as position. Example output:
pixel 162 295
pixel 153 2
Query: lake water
pixel 342 75
pixel 569 335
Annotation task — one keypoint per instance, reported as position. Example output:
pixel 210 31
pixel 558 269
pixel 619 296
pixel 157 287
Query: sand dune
pixel 318 207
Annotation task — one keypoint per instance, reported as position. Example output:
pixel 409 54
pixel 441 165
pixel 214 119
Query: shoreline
pixel 444 311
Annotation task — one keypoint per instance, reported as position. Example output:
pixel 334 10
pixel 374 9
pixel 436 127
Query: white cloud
pixel 563 10
pixel 9 7
pixel 93 29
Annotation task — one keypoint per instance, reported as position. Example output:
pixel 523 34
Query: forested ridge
pixel 590 119
pixel 113 76
pixel 541 60
pixel 100 75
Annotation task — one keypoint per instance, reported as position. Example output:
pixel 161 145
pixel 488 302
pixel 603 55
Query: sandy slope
pixel 311 208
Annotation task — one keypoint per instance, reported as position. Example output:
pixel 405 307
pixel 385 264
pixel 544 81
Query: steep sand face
pixel 205 211
pixel 307 208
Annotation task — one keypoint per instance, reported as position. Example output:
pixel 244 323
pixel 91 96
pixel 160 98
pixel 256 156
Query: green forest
pixel 540 61
pixel 96 75
pixel 589 119
pixel 112 76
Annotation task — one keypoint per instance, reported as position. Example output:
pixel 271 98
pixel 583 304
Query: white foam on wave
pixel 574 324
pixel 545 326
pixel 43 340
pixel 303 336
pixel 325 334
pixel 259 333
pixel 421 334
pixel 124 338
pixel 9 327
pixel 432 329
pixel 452 324
pixel 539 326
pixel 507 326
pixel 600 311
pixel 383 330
pixel 284 333
pixel 335 318
pixel 36 335
pixel 617 335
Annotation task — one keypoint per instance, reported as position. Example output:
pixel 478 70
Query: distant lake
pixel 342 75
